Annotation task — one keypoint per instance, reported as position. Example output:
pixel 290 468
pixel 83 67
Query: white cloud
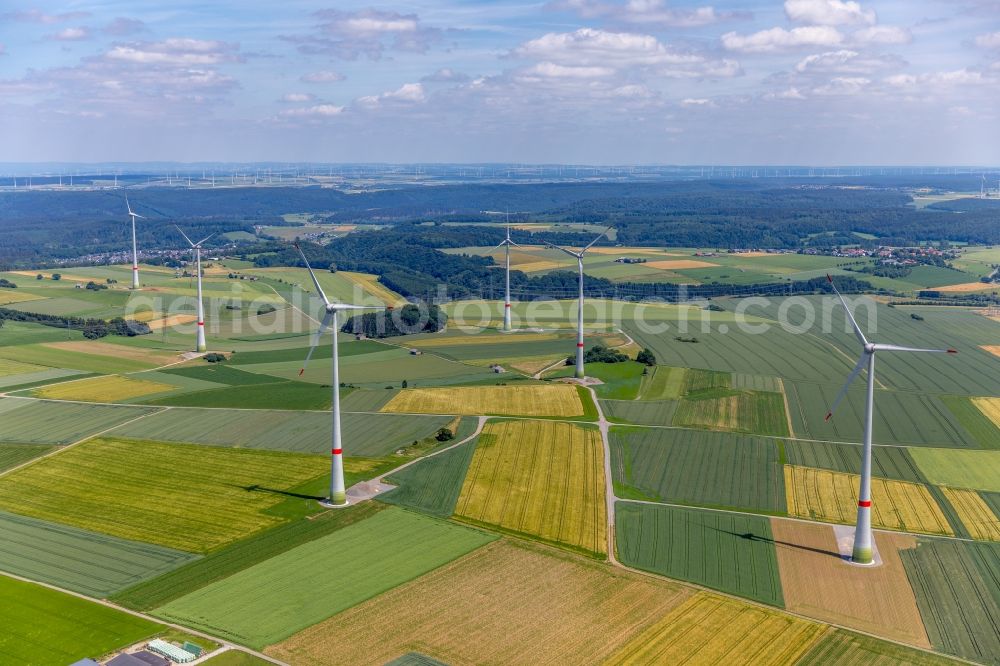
pixel 646 13
pixel 408 93
pixel 828 12
pixel 936 80
pixel 174 51
pixel 317 111
pixel 845 61
pixel 552 70
pixel 779 39
pixel 700 101
pixel 368 32
pixel 326 76
pixel 882 34
pixel 446 75
pixel 38 16
pixel 990 40
pixel 843 85
pixel 297 97
pixel 70 35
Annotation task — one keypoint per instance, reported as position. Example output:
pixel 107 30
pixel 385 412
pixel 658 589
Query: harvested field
pixel 818 583
pixel 508 603
pixel 532 364
pixel 708 629
pixel 974 513
pixel 14 296
pixel 728 552
pixel 11 367
pixel 74 559
pixel 679 264
pixel 370 284
pixel 700 468
pixel 833 497
pixel 747 411
pixel 543 478
pixel 43 627
pixel 846 648
pixel 532 400
pixel 172 320
pixel 963 469
pixel 990 407
pixel 993 349
pixel 151 356
pixel 109 388
pixel 535 266
pixel 965 287
pixel 957 585
pixel 39 422
pixel 188 497
pixel 272 600
pixel 483 339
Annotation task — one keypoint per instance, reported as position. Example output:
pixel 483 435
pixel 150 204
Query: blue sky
pixel 571 81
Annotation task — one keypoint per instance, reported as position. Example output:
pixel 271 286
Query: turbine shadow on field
pixel 257 488
pixel 750 536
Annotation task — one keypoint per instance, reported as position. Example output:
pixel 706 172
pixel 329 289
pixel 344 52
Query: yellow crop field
pixel 680 264
pixel 483 339
pixel 833 497
pixel 97 348
pixel 974 513
pixel 507 603
pixel 536 400
pixel 371 285
pixel 110 388
pixel 172 320
pixel 992 349
pixel 535 266
pixel 990 407
pixel 8 296
pixel 544 478
pixel 966 287
pixel 708 629
pixel 532 364
pixel 11 367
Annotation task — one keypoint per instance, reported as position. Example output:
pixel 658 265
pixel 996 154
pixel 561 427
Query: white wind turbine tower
pixel 135 252
pixel 862 553
pixel 506 244
pixel 338 494
pixel 200 346
pixel 579 374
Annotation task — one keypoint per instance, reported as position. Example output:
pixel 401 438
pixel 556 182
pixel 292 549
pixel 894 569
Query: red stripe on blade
pixel 336 452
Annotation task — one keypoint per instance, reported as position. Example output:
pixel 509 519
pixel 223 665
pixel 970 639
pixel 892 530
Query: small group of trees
pixel 91 328
pixel 7 284
pixel 94 286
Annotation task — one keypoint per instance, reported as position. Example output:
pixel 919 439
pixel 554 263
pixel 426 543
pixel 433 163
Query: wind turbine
pixel 862 553
pixel 579 314
pixel 506 244
pixel 135 252
pixel 338 494
pixel 200 346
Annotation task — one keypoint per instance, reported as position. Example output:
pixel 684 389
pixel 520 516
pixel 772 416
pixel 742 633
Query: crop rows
pixel 701 468
pixel 109 388
pixel 964 469
pixel 432 486
pixel 37 422
pixel 728 552
pixel 975 514
pixel 641 412
pixel 746 411
pixel 192 498
pixel 323 577
pixel 889 462
pixel 663 383
pixel 846 647
pixel 530 400
pixel 544 478
pixel 833 497
pixel 12 455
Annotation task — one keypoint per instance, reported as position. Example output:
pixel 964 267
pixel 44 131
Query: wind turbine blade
pixel 185 235
pixel 319 334
pixel 141 217
pixel 347 306
pixel 204 239
pixel 880 347
pixel 510 242
pixel 850 378
pixel 319 289
pixel 127 205
pixel 599 237
pixel 492 250
pixel 857 329
pixel 556 247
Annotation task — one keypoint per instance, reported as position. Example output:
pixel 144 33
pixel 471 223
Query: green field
pixel 641 412
pixel 899 418
pixel 846 648
pixel 188 497
pixel 982 429
pixel 369 435
pixel 23 333
pixel 889 462
pixel 43 627
pixel 240 555
pixel 74 559
pixel 957 585
pixel 662 383
pixel 979 470
pixel 432 486
pixel 621 381
pixel 220 374
pixel 280 394
pixel 42 422
pixel 274 599
pixel 726 552
pixel 740 411
pixel 415 659
pixel 53 357
pixel 698 468
pixel 12 455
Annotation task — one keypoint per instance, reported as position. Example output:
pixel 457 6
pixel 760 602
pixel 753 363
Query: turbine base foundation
pixel 844 535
